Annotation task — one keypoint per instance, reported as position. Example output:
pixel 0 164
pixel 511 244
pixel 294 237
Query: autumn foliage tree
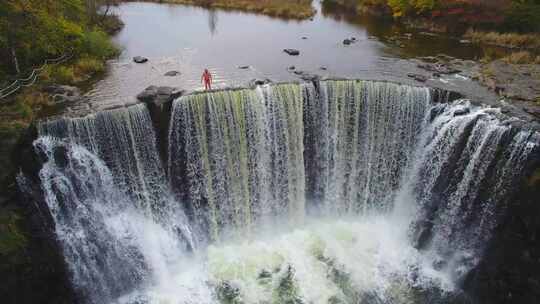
pixel 32 30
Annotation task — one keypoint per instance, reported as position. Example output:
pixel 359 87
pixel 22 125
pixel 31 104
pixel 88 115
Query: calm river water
pixel 188 39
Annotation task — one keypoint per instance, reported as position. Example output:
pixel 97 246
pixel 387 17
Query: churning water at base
pixel 334 192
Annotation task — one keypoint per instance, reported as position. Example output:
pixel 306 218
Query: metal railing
pixel 32 78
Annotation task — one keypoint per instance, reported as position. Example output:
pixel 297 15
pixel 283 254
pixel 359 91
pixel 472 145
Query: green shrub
pixel 12 240
pixel 523 17
pixel 96 43
pixel 64 75
pixel 88 66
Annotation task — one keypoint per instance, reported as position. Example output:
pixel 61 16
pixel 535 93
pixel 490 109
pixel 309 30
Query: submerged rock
pixel 172 73
pixel 439 68
pixel 292 52
pixel 347 42
pixel 63 93
pixel 417 77
pixel 243 67
pixel 140 59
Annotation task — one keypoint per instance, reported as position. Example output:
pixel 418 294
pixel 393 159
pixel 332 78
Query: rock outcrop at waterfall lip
pixel 292 52
pixel 140 59
pixel 159 95
pixel 258 82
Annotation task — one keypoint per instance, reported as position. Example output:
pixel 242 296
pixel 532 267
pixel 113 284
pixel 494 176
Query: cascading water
pixel 334 192
pixel 242 154
pixel 106 190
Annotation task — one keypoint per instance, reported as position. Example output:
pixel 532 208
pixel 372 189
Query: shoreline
pixel 288 9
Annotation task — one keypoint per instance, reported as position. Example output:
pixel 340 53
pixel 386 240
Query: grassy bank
pixel 290 9
pixel 509 40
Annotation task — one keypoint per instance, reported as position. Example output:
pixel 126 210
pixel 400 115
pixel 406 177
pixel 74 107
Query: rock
pixel 440 68
pixel 323 68
pixel 258 82
pixel 534 111
pixel 228 293
pixel 64 93
pixel 291 68
pixel 418 77
pixel 243 67
pixel 140 59
pixel 172 73
pixel 159 95
pixel 264 274
pixel 62 89
pixel 306 76
pixel 60 155
pixel 353 39
pixel 347 42
pixel 148 94
pixel 292 52
pixel 461 111
pixel 304 38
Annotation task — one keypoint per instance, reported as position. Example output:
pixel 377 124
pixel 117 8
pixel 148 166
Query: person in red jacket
pixel 206 78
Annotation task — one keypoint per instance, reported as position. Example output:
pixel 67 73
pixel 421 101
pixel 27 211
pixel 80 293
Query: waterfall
pixel 468 165
pixel 336 191
pixel 240 153
pixel 362 136
pixel 106 189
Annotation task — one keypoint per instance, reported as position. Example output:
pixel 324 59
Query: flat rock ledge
pixel 159 95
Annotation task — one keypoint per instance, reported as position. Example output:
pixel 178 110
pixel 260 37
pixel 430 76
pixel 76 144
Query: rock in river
pixel 63 93
pixel 292 52
pixel 418 77
pixel 140 59
pixel 172 73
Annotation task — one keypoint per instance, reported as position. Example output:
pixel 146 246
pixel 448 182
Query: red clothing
pixel 206 78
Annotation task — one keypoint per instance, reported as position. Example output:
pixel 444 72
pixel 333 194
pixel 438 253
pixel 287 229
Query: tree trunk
pixel 15 61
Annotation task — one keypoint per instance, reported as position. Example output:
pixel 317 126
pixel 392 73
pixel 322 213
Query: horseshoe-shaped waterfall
pixel 339 191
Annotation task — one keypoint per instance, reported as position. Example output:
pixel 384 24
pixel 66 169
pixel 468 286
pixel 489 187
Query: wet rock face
pixel 159 101
pixel 509 270
pixel 40 276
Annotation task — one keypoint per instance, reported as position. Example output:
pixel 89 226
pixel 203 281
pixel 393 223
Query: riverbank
pixel 289 9
pixel 453 17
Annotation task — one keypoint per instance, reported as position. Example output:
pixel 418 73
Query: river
pixel 188 39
